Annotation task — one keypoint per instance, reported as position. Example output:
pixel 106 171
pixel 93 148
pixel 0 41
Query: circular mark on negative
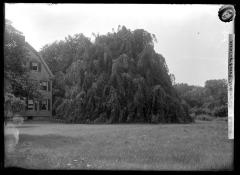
pixel 226 13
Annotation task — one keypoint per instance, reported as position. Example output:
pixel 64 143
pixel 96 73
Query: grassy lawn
pixel 200 146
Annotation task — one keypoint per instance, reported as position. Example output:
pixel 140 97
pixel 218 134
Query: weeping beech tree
pixel 118 78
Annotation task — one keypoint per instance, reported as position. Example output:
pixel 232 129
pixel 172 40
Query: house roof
pixel 41 59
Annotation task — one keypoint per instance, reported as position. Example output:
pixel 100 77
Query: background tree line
pixel 211 99
pixel 118 78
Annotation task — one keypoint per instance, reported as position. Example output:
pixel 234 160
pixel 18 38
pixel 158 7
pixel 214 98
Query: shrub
pixel 154 119
pixel 204 117
pixel 100 119
pixel 130 118
pixel 17 119
pixel 12 105
pixel 87 121
pixel 201 110
pixel 18 105
pixel 58 101
pixel 220 111
pixel 225 119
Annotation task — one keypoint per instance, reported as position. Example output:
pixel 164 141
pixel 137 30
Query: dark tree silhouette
pixel 118 78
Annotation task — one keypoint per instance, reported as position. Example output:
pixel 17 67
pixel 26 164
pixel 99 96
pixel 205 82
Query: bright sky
pixel 192 38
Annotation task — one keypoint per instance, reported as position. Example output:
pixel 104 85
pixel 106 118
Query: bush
pixel 221 111
pixel 225 119
pixel 154 119
pixel 12 105
pixel 204 117
pixel 100 119
pixel 17 119
pixel 130 118
pixel 201 110
pixel 58 101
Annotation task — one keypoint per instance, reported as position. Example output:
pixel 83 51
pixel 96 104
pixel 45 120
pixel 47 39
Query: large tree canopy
pixel 14 50
pixel 117 78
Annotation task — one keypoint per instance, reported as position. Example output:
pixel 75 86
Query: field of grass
pixel 199 146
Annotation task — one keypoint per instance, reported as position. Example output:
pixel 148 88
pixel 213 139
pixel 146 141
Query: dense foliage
pixel 17 84
pixel 210 99
pixel 16 56
pixel 12 105
pixel 115 79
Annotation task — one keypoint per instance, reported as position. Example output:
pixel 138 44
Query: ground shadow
pixel 26 126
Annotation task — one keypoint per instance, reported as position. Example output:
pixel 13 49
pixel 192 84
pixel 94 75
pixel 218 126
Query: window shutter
pixel 49 105
pixel 39 67
pixel 49 85
pixel 26 104
pixel 40 105
pixel 30 65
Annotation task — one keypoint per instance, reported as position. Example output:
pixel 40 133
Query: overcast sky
pixel 192 39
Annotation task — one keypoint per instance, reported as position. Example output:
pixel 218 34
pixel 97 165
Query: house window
pixel 34 66
pixel 43 104
pixel 30 104
pixel 43 85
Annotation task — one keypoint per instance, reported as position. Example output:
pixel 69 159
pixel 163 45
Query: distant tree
pixel 210 99
pixel 60 55
pixel 218 90
pixel 183 88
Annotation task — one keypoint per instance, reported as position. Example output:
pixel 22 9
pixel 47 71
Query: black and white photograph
pixel 119 86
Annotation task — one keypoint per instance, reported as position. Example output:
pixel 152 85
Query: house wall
pixel 43 75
